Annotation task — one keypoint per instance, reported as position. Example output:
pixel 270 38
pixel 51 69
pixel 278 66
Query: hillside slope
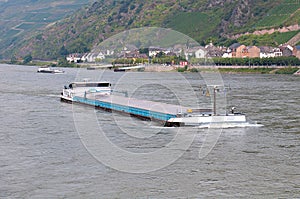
pixel 19 18
pixel 203 20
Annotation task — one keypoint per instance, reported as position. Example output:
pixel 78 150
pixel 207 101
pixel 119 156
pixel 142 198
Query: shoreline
pixel 290 70
pixel 227 69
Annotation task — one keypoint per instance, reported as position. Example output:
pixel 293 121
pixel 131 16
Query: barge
pixel 100 95
pixel 49 70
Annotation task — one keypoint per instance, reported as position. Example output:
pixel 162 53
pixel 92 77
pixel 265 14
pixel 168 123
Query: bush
pixel 288 71
pixel 27 59
pixel 194 70
pixel 279 61
pixel 181 70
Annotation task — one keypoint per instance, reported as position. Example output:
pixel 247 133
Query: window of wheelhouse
pixel 103 84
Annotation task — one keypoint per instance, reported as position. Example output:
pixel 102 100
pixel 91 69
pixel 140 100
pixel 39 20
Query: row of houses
pixel 234 51
pixel 241 51
pixel 237 50
pixel 88 57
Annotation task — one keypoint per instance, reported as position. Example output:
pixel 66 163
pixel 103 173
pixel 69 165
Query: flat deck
pixel 142 108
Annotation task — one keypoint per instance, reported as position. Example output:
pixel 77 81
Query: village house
pixel 127 49
pixel 153 51
pixel 135 54
pixel 267 52
pixel 247 51
pixel 227 53
pixel 253 51
pixel 232 50
pixel 241 51
pixel 213 51
pixel 74 58
pixel 96 55
pixel 287 50
pixel 197 52
pixel 178 49
pixel 109 52
pixel 84 57
pixel 277 52
pixel 296 51
pixel 92 57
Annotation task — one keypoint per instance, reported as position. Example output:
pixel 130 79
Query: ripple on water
pixel 41 154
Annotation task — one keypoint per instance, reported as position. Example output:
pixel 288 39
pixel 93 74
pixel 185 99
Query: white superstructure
pixel 49 70
pixel 81 89
pixel 198 120
pixel 209 118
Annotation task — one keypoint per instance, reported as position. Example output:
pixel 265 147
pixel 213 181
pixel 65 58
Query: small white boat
pixel 82 89
pixel 49 70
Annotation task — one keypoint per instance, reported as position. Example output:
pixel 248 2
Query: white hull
pixel 195 120
pixel 66 99
pixel 49 70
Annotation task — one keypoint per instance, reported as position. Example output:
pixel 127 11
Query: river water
pixel 45 153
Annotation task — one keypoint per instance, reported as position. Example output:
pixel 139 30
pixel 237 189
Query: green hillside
pixel 281 14
pixel 274 39
pixel 19 18
pixel 203 20
pixel 196 25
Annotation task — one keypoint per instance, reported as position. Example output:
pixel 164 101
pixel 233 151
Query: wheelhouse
pixel 89 85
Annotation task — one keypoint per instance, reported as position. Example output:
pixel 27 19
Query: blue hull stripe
pixel 126 109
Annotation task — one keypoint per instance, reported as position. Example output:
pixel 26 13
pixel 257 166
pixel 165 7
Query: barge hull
pixel 132 109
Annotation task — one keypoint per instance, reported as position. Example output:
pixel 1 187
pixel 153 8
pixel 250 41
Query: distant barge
pixel 99 95
pixel 49 70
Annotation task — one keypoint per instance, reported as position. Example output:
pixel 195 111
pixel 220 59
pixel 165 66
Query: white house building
pixel 267 52
pixel 75 57
pixel 197 52
pixel 153 51
pixel 227 54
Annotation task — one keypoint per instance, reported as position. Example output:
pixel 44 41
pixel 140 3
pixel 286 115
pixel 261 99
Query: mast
pixel 215 100
pixel 216 88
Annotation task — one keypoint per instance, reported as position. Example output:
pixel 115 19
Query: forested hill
pixel 20 18
pixel 203 20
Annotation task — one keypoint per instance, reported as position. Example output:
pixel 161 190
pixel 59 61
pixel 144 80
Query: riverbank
pixel 288 70
pixel 225 69
pixel 42 63
pixel 176 68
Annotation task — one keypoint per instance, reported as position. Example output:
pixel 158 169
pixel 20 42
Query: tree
pixel 63 51
pixel 160 54
pixel 27 59
pixel 13 59
pixel 144 51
